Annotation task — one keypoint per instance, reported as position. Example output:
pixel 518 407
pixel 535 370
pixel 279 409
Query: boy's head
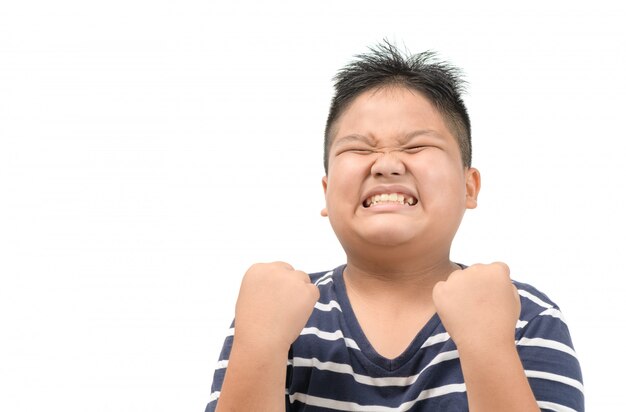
pixel 397 158
pixel 386 66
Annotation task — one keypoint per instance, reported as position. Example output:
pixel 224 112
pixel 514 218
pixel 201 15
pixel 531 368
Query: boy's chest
pixel 390 333
pixel 349 358
pixel 333 368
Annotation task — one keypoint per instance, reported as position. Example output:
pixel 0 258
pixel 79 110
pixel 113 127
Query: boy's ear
pixel 324 211
pixel 472 187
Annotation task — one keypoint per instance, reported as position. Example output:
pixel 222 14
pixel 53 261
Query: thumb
pixel 315 291
pixel 438 290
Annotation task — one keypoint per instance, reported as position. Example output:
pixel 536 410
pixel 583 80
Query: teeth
pixel 390 198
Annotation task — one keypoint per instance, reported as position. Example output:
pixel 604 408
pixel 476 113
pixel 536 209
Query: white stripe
pixel 325 277
pixel 555 313
pixel 231 332
pixel 327 307
pixel 547 343
pixel 352 406
pixel 337 405
pixel 332 336
pixel 556 378
pixel 324 282
pixel 442 390
pixel 435 339
pixel 554 407
pixel 443 337
pixel 534 298
pixel 222 364
pixel 214 396
pixel 368 380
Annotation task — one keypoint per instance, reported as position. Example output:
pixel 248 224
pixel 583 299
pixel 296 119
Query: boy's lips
pixel 389 195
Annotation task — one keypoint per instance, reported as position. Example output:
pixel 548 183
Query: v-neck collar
pixel 356 332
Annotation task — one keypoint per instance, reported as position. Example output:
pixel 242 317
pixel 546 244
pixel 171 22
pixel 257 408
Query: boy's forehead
pixel 406 105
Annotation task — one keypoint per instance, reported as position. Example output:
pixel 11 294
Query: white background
pixel 150 151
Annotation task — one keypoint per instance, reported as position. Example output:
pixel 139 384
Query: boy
pixel 400 327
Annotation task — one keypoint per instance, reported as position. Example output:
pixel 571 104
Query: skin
pixel 398 267
pixel 273 306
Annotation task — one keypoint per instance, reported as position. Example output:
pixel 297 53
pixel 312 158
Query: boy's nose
pixel 388 164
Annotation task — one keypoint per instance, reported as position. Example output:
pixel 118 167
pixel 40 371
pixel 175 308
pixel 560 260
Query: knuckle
pixel 504 266
pixel 254 266
pixel 254 269
pixel 456 274
pixel 305 276
pixel 501 265
pixel 438 288
pixel 283 265
pixel 475 268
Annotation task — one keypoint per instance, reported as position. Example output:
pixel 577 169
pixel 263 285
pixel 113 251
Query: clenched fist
pixel 479 306
pixel 275 301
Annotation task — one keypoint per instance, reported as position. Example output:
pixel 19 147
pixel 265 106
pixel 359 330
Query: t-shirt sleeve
pixel 547 353
pixel 220 372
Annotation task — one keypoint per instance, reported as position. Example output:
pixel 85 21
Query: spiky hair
pixel 440 82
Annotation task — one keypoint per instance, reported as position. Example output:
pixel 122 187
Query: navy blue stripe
pixel 344 387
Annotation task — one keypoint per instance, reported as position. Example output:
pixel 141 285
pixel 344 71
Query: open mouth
pixel 390 198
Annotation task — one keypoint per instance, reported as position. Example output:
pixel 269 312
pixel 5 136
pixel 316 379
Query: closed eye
pixel 413 149
pixel 357 150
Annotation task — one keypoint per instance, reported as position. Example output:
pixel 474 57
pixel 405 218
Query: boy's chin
pixel 390 236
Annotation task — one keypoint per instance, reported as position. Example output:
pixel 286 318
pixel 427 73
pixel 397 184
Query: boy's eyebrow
pixel 352 137
pixel 372 141
pixel 418 133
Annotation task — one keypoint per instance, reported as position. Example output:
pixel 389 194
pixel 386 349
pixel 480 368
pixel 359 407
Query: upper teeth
pixel 390 197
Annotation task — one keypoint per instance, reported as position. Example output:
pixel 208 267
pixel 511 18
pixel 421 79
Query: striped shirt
pixel 333 367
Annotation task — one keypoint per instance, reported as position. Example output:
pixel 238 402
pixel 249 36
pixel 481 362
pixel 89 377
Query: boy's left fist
pixel 479 306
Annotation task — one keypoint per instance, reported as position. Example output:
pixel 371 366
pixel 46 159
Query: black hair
pixel 384 65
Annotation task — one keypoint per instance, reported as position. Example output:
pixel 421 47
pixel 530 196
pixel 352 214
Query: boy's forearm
pixel 275 301
pixel 255 379
pixel 495 379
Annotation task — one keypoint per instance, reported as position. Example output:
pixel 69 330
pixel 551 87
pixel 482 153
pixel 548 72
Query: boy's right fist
pixel 275 301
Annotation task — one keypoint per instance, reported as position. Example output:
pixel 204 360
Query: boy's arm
pixel 255 379
pixel 479 308
pixel 274 303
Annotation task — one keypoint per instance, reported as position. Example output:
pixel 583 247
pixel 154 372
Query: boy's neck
pixel 411 279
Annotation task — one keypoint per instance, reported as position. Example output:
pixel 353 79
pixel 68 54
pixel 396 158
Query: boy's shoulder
pixel 534 302
pixel 326 276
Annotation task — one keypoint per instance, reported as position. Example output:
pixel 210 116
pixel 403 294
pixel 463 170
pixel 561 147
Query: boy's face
pixel 393 143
